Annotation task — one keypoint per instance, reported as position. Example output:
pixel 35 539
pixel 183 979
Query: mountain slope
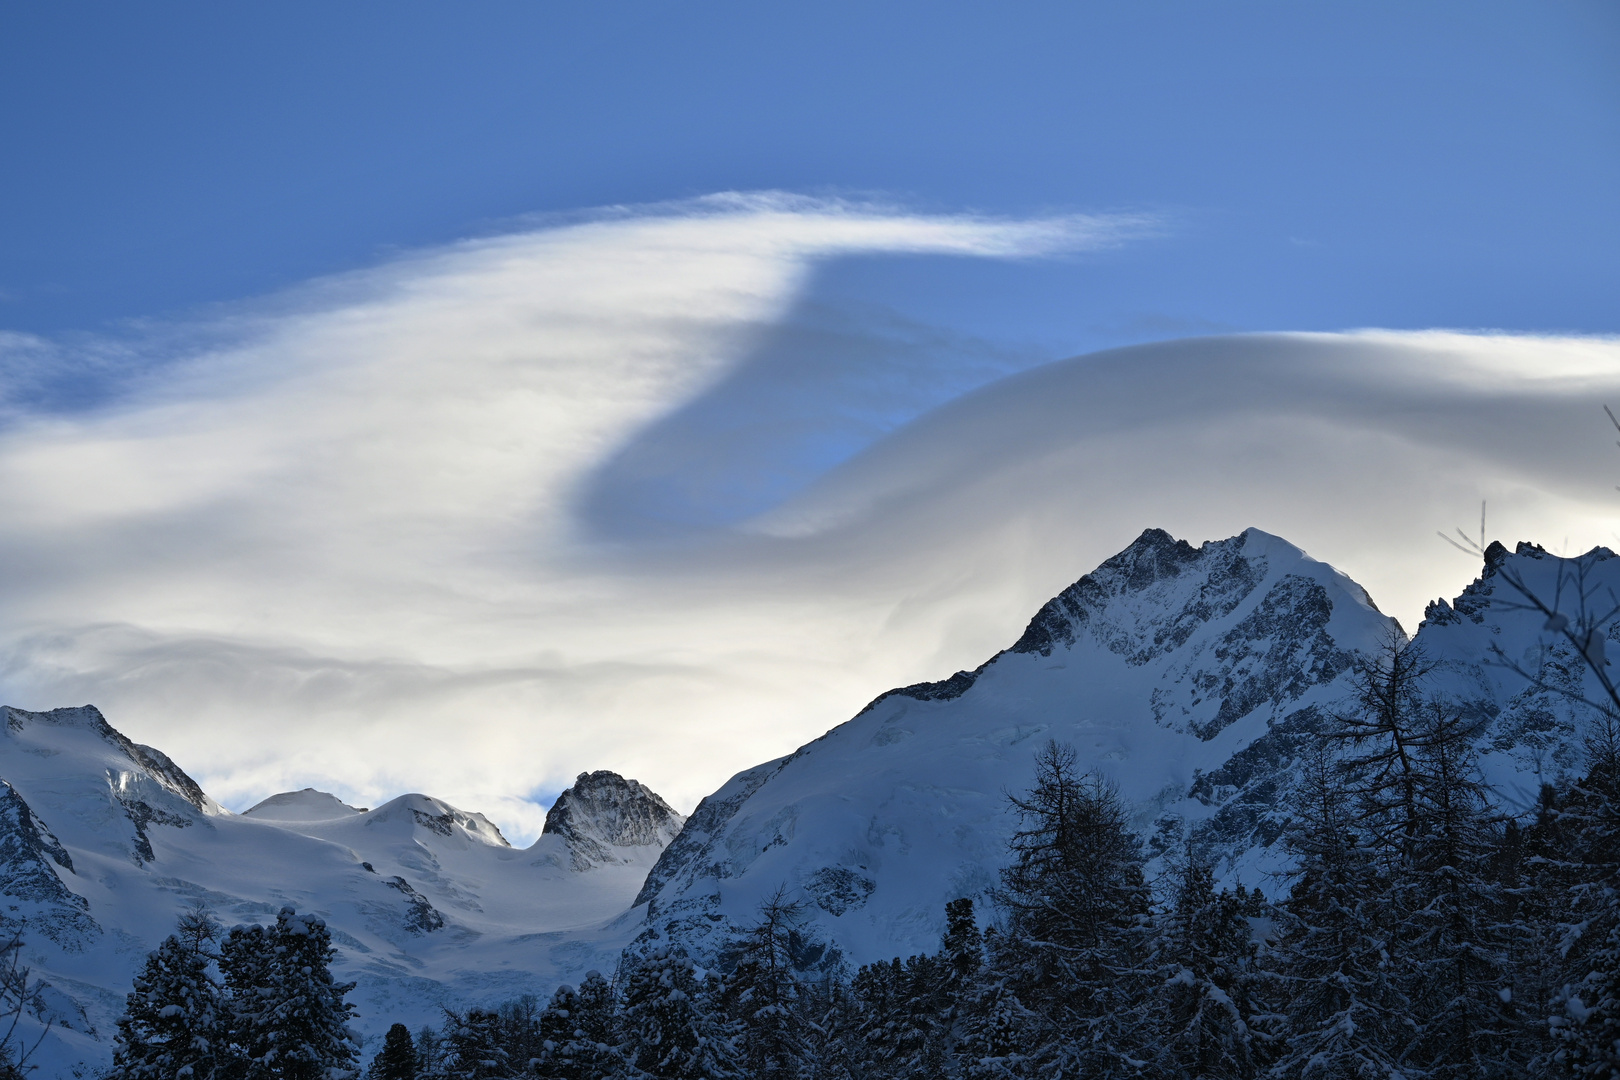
pixel 1160 667
pixel 103 842
pixel 1191 677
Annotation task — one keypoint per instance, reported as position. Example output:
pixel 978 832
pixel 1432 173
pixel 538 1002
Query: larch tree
pixel 1077 908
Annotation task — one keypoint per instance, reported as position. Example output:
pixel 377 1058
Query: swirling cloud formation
pixel 387 533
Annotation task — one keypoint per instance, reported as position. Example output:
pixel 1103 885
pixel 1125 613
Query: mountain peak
pixel 57 725
pixel 1188 676
pixel 416 810
pixel 305 805
pixel 603 811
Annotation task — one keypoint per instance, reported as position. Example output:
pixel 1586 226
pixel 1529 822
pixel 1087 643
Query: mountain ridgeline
pixel 1195 681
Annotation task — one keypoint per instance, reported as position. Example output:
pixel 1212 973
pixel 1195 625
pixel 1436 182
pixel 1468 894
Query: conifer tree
pixel 173 1022
pixel 519 1032
pixel 1426 812
pixel 1077 905
pixel 288 1019
pixel 307 1016
pixel 991 1029
pixel 1532 908
pixel 559 1027
pixel 963 945
pixel 1384 732
pixel 667 1026
pixel 474 1048
pixel 576 1032
pixel 397 1058
pixel 762 994
pixel 1586 1023
pixel 595 1048
pixel 1453 917
pixel 904 1031
pixel 246 962
pixel 1347 1018
pixel 997 1031
pixel 1203 997
pixel 831 1025
pixel 429 1053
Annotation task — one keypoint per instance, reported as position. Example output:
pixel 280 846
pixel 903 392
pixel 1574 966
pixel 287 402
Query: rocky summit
pixel 604 818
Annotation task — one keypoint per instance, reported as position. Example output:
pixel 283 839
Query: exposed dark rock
pixel 837 889
pixel 25 876
pixel 421 917
pixel 141 814
pixel 1279 651
pixel 1155 555
pixel 602 811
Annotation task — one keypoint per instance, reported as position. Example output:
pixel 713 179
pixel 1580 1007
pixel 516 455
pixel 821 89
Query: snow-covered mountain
pixel 1533 729
pixel 1161 667
pixel 1190 676
pixel 606 820
pixel 103 842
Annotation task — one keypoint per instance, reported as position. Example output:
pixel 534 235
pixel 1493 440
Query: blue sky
pixel 1322 165
pixel 649 386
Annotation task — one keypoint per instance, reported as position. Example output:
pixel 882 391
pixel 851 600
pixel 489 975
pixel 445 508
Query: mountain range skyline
pixel 1192 680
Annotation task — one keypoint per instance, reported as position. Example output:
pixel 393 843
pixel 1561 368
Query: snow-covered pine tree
pixel 1346 1015
pixel 761 995
pixel 1203 994
pixel 1586 1023
pixel 1530 928
pixel 1077 914
pixel 304 1019
pixel 902 1031
pixel 173 1022
pixel 994 1030
pixel 667 1027
pixel 473 1047
pixel 961 955
pixel 596 1032
pixel 397 1058
pixel 1424 806
pixel 246 962
pixel 963 944
pixel 429 1053
pixel 520 1032
pixel 1453 916
pixel 576 1032
pixel 558 1040
pixel 831 1028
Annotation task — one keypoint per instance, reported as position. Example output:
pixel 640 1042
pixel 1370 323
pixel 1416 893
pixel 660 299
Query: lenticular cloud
pixel 351 527
pixel 345 547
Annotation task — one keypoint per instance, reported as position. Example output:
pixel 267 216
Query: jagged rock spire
pixel 602 811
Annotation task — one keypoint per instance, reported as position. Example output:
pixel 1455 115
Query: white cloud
pixel 337 545
pixel 342 545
